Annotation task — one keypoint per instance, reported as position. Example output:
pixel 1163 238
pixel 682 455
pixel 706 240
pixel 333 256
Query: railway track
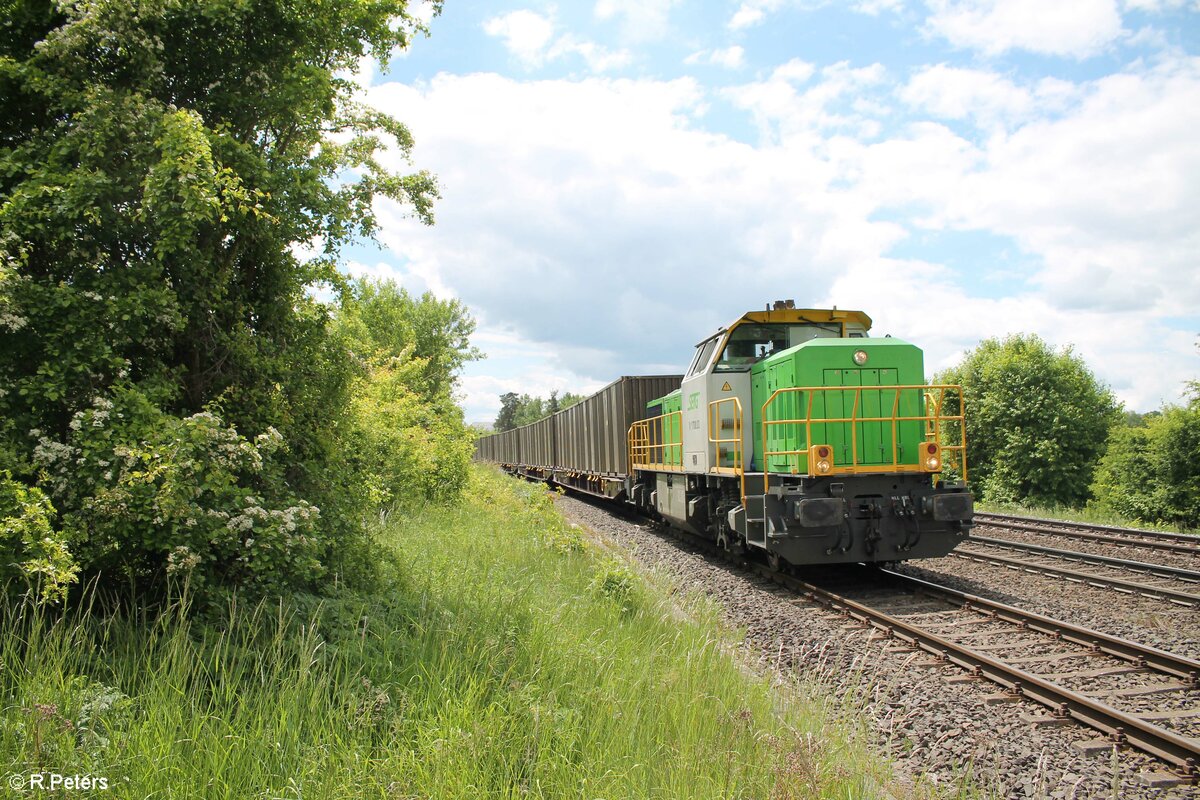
pixel 1185 543
pixel 1130 693
pixel 1157 581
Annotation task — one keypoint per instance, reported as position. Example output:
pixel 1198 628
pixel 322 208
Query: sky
pixel 619 178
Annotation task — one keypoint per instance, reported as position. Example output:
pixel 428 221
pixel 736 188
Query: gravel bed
pixel 1131 553
pixel 931 725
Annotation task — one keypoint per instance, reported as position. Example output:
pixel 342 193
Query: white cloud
pixel 598 58
pixel 956 93
pixel 1153 6
pixel 513 364
pixel 877 7
pixel 1076 28
pixel 796 71
pixel 1108 194
pixel 1143 378
pixel 526 34
pixel 589 213
pixel 576 187
pixel 422 11
pixel 641 20
pixel 752 12
pixel 988 98
pixel 530 37
pixel 731 57
pixel 784 109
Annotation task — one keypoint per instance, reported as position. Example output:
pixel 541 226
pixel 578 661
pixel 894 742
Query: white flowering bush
pixel 148 495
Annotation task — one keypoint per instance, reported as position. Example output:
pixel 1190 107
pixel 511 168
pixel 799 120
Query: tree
pixel 406 437
pixel 568 399
pixel 506 419
pixel 382 322
pixel 1037 420
pixel 529 410
pixel 159 164
pixel 523 409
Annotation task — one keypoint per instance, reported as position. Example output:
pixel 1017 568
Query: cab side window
pixel 703 355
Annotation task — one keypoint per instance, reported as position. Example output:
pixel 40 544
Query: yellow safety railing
pixel 938 428
pixel 716 426
pixel 719 423
pixel 649 440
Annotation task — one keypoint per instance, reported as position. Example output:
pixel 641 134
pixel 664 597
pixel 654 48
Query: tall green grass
pixel 506 657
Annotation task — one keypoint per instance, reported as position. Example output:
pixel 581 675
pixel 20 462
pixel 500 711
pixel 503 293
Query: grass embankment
pixel 507 658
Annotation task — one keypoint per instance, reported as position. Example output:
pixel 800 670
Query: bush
pixel 406 450
pixel 31 551
pixel 147 495
pixel 1037 421
pixel 405 435
pixel 1152 473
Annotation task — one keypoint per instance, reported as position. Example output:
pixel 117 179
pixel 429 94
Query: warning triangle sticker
pixel 726 387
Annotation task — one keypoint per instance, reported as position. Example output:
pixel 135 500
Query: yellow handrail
pixel 648 438
pixel 738 466
pixel 936 427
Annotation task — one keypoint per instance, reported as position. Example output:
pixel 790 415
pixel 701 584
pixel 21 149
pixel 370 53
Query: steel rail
pixel 1156 540
pixel 1157 570
pixel 1187 669
pixel 1181 751
pixel 1089 578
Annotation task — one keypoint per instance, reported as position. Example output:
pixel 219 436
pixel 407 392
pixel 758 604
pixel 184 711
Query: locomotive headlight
pixel 860 357
pixel 931 456
pixel 820 459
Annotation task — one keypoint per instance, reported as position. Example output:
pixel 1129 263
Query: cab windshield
pixel 749 344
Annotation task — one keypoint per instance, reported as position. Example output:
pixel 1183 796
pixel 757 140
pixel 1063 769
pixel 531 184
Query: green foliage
pixel 408 450
pixel 1152 473
pixel 31 551
pixel 405 434
pixel 506 420
pixel 385 325
pixel 161 165
pixel 1037 420
pixel 523 409
pixel 620 584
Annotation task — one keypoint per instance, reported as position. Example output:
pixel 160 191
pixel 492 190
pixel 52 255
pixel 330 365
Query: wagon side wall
pixel 588 437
